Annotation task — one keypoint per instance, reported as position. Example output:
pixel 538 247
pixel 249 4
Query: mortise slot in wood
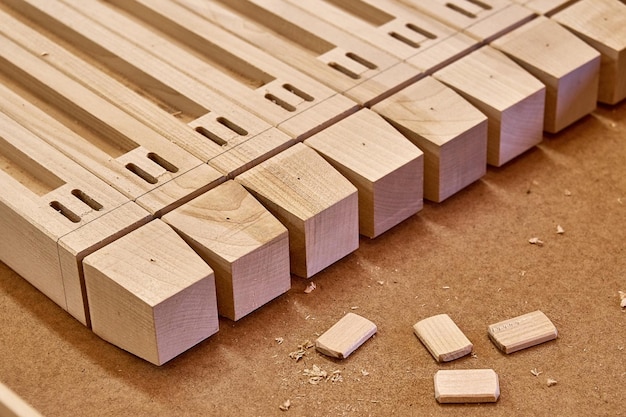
pixel 279 102
pixel 344 70
pixel 480 4
pixel 162 162
pixel 421 31
pixel 367 64
pixel 26 171
pixel 404 39
pixel 67 213
pixel 211 136
pixel 296 91
pixel 461 10
pixel 85 198
pixel 141 173
pixel 232 126
pixel 364 11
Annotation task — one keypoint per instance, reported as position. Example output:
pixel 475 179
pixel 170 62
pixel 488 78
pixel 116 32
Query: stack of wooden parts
pixel 166 162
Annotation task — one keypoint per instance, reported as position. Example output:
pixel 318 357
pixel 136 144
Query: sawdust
pixel 535 241
pixel 622 297
pixel 317 375
pixel 551 382
pixel 535 372
pixel 310 288
pixel 301 351
pixel 285 406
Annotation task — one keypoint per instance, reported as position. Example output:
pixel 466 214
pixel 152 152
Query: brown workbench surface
pixel 468 257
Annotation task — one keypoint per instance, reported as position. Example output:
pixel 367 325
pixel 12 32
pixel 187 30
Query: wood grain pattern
pixel 568 67
pixel 247 248
pixel 450 131
pixel 512 99
pixel 522 332
pixel 454 386
pixel 345 336
pixel 317 205
pixel 443 338
pixel 150 294
pixel 385 167
pixel 602 24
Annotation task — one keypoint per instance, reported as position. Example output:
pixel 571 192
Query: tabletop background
pixel 468 257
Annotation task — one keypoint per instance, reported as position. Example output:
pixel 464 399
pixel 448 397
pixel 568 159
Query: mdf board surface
pixel 568 67
pixel 247 248
pixel 602 24
pixel 512 99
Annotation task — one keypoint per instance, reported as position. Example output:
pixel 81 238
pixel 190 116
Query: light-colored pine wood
pixel 384 166
pixel 602 24
pixel 457 386
pixel 12 405
pixel 150 294
pixel 443 338
pixel 484 20
pixel 263 85
pixel 247 248
pixel 545 7
pixel 313 46
pixel 172 175
pixel 511 98
pixel 53 213
pixel 522 332
pixel 400 30
pixel 345 336
pixel 450 131
pixel 315 202
pixel 568 67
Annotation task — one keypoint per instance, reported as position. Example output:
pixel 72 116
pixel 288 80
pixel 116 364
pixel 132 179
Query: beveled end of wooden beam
pixel 522 332
pixel 450 131
pixel 458 386
pixel 244 244
pixel 568 67
pixel 511 98
pixel 150 294
pixel 345 336
pixel 384 166
pixel 316 203
pixel 442 337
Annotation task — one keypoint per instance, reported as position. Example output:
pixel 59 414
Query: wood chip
pixel 559 229
pixel 622 297
pixel 310 288
pixel 443 339
pixel 345 336
pixel 466 386
pixel 535 241
pixel 301 351
pixel 535 372
pixel 551 382
pixel 522 332
pixel 285 406
pixel 568 193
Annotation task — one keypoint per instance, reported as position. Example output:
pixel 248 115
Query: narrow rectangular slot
pixel 280 26
pixel 296 91
pixel 85 198
pixel 141 173
pixel 67 213
pixel 480 4
pixel 356 58
pixel 404 39
pixel 162 162
pixel 421 31
pixel 26 171
pixel 211 136
pixel 363 11
pixel 343 70
pixel 232 126
pixel 279 102
pixel 460 10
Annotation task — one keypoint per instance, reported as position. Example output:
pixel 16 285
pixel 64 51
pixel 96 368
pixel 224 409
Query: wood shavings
pixel 364 372
pixel 285 406
pixel 568 193
pixel 310 288
pixel 535 372
pixel 354 308
pixel 301 351
pixel 535 241
pixel 559 229
pixel 445 287
pixel 380 282
pixel 317 375
pixel 622 297
pixel 551 382
pixel 279 340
